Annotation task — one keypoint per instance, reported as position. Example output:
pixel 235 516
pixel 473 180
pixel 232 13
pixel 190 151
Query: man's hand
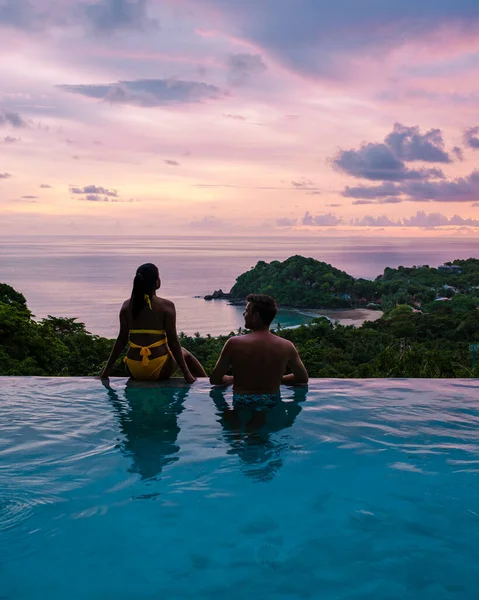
pixel 218 374
pixel 227 380
pixel 298 375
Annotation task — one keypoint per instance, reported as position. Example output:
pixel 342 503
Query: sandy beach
pixel 346 316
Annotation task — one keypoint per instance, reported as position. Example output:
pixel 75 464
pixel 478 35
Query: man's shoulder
pixel 270 340
pixel 286 344
pixel 282 345
pixel 239 341
pixel 281 340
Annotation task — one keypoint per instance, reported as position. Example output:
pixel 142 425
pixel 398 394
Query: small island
pixel 306 283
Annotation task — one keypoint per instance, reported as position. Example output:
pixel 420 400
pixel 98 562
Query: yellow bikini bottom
pixel 146 369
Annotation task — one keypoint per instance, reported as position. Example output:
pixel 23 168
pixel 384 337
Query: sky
pixel 236 117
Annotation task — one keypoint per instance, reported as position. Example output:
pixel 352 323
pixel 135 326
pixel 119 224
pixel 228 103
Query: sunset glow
pixel 235 117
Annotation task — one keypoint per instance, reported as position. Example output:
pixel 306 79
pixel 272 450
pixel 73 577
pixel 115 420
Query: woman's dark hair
pixel 144 283
pixel 265 306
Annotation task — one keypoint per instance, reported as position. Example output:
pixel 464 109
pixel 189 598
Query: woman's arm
pixel 174 342
pixel 119 346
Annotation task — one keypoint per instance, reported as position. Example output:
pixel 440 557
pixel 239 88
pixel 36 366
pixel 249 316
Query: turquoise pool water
pixel 355 490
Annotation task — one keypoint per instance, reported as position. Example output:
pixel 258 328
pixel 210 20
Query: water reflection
pixel 253 435
pixel 149 421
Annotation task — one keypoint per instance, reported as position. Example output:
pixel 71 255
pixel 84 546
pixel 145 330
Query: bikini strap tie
pixel 145 353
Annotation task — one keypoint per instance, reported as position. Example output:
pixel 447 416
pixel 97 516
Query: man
pixel 259 359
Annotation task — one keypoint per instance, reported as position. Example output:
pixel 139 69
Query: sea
pixel 88 277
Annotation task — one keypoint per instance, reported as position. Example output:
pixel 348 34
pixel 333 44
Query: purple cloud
pixel 303 184
pixel 104 16
pixel 458 153
pixel 420 219
pixel 207 222
pixel 33 15
pixel 410 145
pixel 462 189
pixel 371 221
pixel 372 192
pixel 234 117
pixel 321 37
pixel 172 163
pixel 241 67
pixel 15 13
pixel 94 189
pixel 471 138
pixel 285 222
pixel 147 92
pixel 100 198
pixel 95 198
pixel 378 162
pixel 390 200
pixel 325 220
pixel 387 161
pixel 13 119
pixel 110 15
pixel 5 175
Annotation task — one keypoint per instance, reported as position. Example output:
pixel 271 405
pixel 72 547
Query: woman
pixel 149 324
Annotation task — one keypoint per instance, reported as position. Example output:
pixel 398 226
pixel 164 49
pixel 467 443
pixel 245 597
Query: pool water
pixel 354 490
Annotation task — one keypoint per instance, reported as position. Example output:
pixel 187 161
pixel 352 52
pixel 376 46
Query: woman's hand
pixel 189 378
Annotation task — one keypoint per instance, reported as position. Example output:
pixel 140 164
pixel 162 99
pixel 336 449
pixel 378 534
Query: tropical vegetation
pixel 306 282
pixel 429 328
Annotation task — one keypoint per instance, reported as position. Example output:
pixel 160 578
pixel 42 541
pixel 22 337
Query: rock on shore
pixel 218 295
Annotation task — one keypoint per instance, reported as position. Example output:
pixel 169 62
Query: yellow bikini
pixel 146 369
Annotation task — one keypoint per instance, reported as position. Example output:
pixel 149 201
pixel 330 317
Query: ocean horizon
pixel 88 277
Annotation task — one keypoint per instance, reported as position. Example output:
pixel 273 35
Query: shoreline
pixel 344 316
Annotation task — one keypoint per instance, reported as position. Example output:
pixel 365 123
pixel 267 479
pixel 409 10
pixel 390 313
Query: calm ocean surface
pixel 89 277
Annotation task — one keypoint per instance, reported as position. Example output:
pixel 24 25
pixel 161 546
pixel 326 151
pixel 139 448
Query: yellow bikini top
pixel 148 301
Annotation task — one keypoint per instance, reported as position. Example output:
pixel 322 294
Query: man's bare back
pixel 259 359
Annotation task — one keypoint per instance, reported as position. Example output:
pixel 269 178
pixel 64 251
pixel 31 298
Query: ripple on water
pixel 19 517
pixel 13 511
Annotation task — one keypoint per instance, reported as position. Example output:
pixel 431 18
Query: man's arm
pixel 174 343
pixel 218 374
pixel 121 342
pixel 298 374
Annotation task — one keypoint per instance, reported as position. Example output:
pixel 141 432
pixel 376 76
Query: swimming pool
pixel 356 490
